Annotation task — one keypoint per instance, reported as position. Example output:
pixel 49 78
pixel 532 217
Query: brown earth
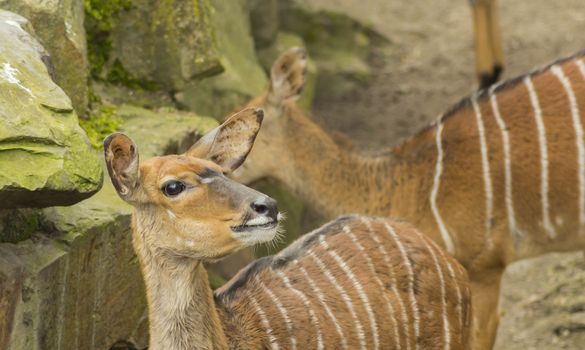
pixel 430 66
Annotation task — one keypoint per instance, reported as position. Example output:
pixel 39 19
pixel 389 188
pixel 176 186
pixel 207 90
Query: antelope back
pixel 357 282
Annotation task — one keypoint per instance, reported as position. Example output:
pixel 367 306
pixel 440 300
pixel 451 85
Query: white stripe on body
pixel 358 287
pixel 405 319
pixel 487 180
pixel 543 158
pixel 575 115
pixel 344 296
pixel 321 298
pixel 283 312
pixel 457 290
pixel 435 191
pixel 265 322
pixel 413 301
pixel 391 311
pixel 307 304
pixel 507 165
pixel 446 331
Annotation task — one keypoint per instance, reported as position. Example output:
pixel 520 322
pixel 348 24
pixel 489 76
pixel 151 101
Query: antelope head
pixel 287 80
pixel 184 205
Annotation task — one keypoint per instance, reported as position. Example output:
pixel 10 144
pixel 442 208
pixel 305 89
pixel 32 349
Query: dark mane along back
pixel 482 94
pixel 282 259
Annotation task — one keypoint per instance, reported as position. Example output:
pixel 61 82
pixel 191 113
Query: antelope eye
pixel 173 188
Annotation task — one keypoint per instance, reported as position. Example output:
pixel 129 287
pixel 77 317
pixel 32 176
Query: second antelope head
pixel 184 206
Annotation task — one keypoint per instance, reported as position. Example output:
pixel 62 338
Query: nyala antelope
pixel 489 55
pixel 498 178
pixel 355 283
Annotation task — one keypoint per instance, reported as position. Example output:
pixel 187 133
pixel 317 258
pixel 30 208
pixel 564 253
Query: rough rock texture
pixel 77 284
pixel 59 27
pixel 243 77
pixel 340 45
pixel 45 158
pixel 166 42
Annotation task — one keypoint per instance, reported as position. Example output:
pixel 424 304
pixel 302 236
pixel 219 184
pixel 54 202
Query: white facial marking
pixel 207 180
pixel 259 220
pixel 548 227
pixel 435 191
pixel 171 214
pixel 485 164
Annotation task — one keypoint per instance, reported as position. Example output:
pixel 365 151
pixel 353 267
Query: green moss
pixel 118 75
pixel 215 280
pixel 101 124
pixel 19 224
pixel 98 25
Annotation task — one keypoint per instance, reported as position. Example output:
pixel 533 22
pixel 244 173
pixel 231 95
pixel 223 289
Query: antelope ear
pixel 287 75
pixel 228 145
pixel 122 162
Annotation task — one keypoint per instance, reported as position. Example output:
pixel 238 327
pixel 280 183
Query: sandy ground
pixel 429 67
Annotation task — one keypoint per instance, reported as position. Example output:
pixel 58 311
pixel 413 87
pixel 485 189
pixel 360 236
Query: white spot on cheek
pixel 559 221
pixel 171 214
pixel 207 180
pixel 190 243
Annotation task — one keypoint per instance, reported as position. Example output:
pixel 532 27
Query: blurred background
pixel 167 71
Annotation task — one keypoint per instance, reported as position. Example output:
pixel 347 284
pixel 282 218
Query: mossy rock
pixel 45 157
pixel 243 77
pixel 76 284
pixel 151 44
pixel 58 25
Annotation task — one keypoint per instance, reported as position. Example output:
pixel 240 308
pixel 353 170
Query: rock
pixel 340 45
pixel 156 43
pixel 58 25
pixel 243 77
pixel 45 158
pixel 77 285
pixel 264 21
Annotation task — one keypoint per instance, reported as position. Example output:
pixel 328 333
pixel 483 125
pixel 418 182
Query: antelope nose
pixel 265 206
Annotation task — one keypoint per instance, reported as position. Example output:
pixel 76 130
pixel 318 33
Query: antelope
pixel 357 282
pixel 489 55
pixel 498 178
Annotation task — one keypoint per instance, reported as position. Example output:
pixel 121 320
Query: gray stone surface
pixel 243 77
pixel 166 42
pixel 58 25
pixel 45 158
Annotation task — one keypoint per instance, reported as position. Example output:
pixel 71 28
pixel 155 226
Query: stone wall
pixel 69 278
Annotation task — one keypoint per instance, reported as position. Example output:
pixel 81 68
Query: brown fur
pixel 389 264
pixel 398 183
